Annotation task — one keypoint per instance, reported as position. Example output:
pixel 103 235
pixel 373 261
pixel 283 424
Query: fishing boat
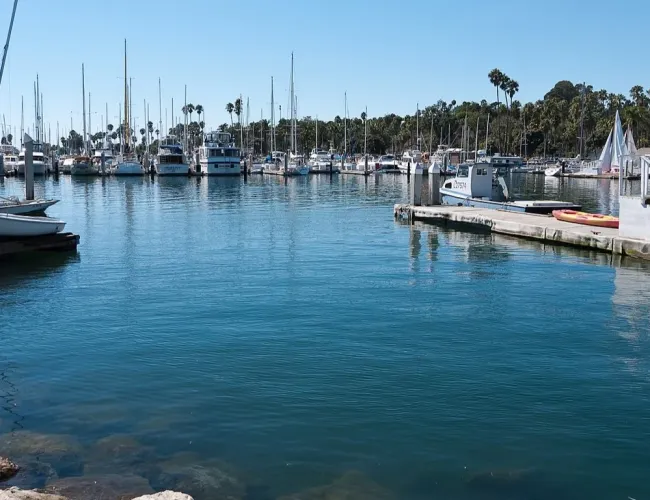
pixel 66 165
pixel 598 220
pixel 15 226
pixel 170 159
pixel 218 155
pixel 82 166
pixel 13 205
pixel 475 185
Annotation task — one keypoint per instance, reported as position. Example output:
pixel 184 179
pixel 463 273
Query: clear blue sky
pixel 387 55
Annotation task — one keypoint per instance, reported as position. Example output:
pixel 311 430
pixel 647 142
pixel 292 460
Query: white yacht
pixel 412 157
pixel 388 163
pixel 83 166
pixel 170 159
pixel 39 161
pixel 218 155
pixel 321 161
pixel 10 163
pixel 297 165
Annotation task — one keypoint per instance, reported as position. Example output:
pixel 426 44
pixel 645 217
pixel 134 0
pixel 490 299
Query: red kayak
pixel 598 220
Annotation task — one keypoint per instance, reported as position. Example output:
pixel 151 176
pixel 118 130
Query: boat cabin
pixel 170 154
pixel 472 180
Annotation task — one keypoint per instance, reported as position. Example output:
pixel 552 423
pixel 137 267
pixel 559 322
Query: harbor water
pixel 266 339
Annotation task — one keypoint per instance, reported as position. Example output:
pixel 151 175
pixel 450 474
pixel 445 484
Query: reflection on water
pixel 282 335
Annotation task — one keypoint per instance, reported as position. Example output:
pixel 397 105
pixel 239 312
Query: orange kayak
pixel 598 220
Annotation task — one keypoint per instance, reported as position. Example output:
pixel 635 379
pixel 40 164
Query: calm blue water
pixel 296 332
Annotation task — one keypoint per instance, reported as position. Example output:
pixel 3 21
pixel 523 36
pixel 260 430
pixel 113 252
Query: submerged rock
pixel 61 451
pixel 201 479
pixel 119 454
pixel 520 483
pixel 33 474
pixel 165 495
pixel 8 469
pixel 109 486
pixel 352 485
pixel 18 494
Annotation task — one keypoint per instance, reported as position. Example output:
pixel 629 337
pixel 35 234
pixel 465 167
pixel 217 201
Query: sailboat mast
pixel 316 131
pixel 159 112
pixel 292 105
pixel 365 133
pixel 272 119
pixel 83 93
pixel 126 133
pixel 6 50
pixel 261 132
pixel 90 127
pixel 582 119
pixel 345 126
pixel 417 125
pixel 185 120
pixel 478 118
pixel 487 132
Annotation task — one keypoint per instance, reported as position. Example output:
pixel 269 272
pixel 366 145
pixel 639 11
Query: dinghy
pixel 15 206
pixel 588 219
pixel 19 226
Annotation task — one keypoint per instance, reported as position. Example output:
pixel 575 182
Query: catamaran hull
pixel 26 207
pixel 172 169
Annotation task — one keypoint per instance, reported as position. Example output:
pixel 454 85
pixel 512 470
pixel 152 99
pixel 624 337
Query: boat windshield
pixel 463 171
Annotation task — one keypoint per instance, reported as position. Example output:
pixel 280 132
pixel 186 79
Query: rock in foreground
pixel 165 495
pixel 8 469
pixel 18 494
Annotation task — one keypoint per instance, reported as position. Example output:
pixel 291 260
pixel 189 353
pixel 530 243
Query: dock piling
pixel 247 164
pixel 29 167
pixel 416 186
pixel 434 184
pixel 365 165
pixel 408 171
pixel 103 160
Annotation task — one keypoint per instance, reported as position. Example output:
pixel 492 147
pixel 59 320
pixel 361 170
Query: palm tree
pixel 114 135
pixel 496 77
pixel 229 109
pixel 10 138
pixel 199 111
pixel 238 112
pixel 190 110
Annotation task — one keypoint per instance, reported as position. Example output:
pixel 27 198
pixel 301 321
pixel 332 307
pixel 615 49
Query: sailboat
pixel 296 163
pixel 611 157
pixel 128 163
pixel 81 165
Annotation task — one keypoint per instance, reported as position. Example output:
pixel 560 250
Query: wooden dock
pixel 61 242
pixel 542 228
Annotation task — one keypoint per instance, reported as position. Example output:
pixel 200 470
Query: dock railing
pixel 632 166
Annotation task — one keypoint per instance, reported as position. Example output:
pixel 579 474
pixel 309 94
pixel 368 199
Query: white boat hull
pixel 39 168
pixel 172 169
pixel 213 168
pixel 17 226
pixel 25 207
pixel 129 168
pixel 553 172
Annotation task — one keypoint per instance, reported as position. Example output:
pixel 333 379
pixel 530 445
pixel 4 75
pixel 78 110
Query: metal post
pixel 29 167
pixel 286 163
pixel 408 172
pixel 103 163
pixel 365 165
pixel 247 163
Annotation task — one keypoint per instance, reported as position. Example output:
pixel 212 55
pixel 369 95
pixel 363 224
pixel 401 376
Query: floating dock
pixel 542 228
pixel 61 242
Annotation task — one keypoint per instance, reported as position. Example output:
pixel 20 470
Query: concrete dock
pixel 542 228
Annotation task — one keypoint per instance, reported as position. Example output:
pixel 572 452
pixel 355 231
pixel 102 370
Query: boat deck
pixel 537 227
pixel 60 242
